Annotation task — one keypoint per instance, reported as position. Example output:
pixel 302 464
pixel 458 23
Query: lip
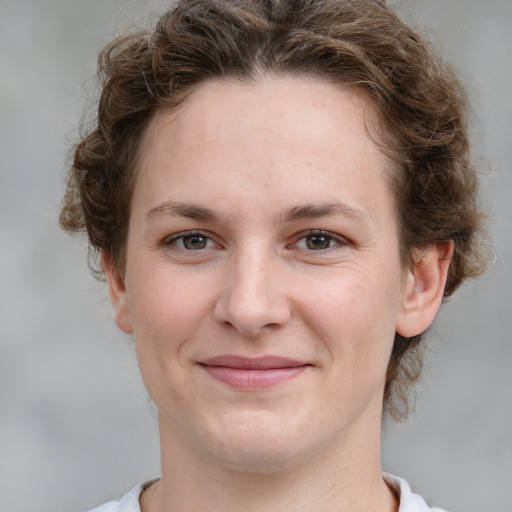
pixel 253 372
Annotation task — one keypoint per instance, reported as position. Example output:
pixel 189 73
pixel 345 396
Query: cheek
pixel 166 315
pixel 166 309
pixel 354 314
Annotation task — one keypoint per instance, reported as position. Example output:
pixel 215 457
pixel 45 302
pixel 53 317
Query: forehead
pixel 270 140
pixel 296 106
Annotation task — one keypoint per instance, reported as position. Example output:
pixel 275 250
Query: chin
pixel 257 458
pixel 256 444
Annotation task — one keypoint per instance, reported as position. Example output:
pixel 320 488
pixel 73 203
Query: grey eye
pixel 194 242
pixel 318 242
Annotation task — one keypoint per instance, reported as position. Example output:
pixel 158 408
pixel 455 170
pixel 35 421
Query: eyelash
pixel 174 239
pixel 328 237
pixel 318 233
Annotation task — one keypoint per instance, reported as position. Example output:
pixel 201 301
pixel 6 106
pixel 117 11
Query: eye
pixel 191 241
pixel 318 240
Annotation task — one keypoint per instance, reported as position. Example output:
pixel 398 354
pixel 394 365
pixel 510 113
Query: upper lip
pixel 253 363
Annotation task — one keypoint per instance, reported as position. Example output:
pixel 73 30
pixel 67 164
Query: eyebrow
pixel 188 210
pixel 308 211
pixel 322 210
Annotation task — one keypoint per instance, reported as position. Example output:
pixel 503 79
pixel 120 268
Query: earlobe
pixel 118 296
pixel 424 289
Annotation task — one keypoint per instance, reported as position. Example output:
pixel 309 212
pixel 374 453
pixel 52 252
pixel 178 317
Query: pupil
pixel 194 242
pixel 318 242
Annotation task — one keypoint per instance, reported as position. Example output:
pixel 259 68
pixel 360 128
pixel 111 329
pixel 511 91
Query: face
pixel 263 282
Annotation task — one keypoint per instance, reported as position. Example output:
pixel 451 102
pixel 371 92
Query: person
pixel 280 194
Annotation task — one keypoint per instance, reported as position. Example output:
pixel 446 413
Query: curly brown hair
pixel 421 105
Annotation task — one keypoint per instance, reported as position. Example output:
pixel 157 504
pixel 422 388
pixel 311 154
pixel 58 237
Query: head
pixel 419 121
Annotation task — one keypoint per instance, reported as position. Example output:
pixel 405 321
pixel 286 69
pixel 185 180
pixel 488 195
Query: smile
pixel 253 373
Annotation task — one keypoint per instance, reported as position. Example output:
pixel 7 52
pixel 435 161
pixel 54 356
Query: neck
pixel 334 479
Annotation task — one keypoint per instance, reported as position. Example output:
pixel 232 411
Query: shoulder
pixel 409 502
pixel 128 503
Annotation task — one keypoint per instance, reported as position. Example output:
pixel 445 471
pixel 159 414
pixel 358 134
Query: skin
pixel 293 253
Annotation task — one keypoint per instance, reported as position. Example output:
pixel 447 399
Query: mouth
pixel 253 373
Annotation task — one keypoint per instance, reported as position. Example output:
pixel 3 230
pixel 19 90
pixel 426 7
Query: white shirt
pixel 409 502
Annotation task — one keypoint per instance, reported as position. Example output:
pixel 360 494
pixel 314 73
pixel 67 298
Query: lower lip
pixel 253 379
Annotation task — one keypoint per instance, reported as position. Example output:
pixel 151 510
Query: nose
pixel 252 299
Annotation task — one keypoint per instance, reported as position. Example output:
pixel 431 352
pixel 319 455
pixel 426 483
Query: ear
pixel 424 289
pixel 117 289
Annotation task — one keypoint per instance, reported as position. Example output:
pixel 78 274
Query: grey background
pixel 76 426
